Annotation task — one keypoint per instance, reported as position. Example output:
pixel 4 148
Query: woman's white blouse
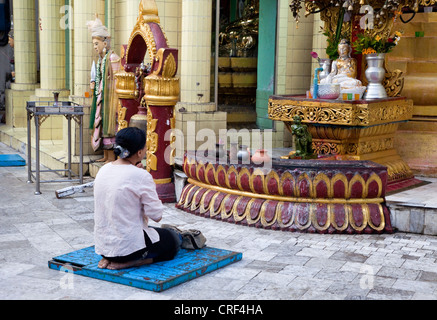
pixel 124 199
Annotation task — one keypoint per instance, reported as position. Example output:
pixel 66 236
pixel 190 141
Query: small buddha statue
pixel 344 69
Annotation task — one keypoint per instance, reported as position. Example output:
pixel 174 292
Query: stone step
pixel 52 153
pixel 414 210
pixel 413 217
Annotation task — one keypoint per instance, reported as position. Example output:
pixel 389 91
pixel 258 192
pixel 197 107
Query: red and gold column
pixel 161 94
pixel 155 90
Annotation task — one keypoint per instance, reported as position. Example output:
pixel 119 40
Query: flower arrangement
pixel 367 44
pixel 332 47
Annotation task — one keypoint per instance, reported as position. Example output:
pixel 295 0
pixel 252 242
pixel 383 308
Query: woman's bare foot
pixel 129 264
pixel 103 264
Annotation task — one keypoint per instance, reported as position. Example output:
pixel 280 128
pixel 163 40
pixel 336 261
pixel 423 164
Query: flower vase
pixel 375 73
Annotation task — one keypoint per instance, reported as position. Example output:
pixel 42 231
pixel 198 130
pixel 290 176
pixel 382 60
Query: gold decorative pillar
pixel 162 93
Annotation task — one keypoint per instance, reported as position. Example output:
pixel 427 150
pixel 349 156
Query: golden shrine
pixel 323 195
pixel 148 95
pixel 359 129
pixel 352 130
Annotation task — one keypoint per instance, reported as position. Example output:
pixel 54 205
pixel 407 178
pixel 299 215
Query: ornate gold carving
pixel 385 112
pixel 284 198
pixel 310 7
pixel 148 11
pixel 344 226
pixel 167 66
pixel 143 30
pixel 323 147
pixel 152 142
pixel 375 145
pixel 393 81
pixel 162 181
pixel 427 3
pixel 354 148
pixel 251 206
pixel 217 209
pixel 397 170
pixel 341 113
pixel 122 123
pixel 359 131
pixel 161 91
pixel 169 69
pixel 125 85
pixel 265 177
pixel 337 133
pixel 336 113
pixel 172 140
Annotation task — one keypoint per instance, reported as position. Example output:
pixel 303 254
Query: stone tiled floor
pixel 276 265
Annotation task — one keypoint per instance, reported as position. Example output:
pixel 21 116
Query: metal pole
pixel 69 146
pixel 81 149
pixel 29 148
pixel 37 176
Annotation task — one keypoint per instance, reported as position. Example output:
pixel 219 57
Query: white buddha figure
pixel 344 69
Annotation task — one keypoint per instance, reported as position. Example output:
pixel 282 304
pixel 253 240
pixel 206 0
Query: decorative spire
pixel 149 11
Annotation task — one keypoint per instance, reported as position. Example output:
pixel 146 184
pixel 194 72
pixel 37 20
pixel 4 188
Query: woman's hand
pixel 92 85
pixel 140 165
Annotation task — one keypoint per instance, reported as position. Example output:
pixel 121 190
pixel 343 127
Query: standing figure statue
pixel 303 139
pixel 344 69
pixel 103 118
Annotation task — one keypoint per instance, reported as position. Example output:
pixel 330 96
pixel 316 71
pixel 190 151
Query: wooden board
pixel 187 265
pixel 11 160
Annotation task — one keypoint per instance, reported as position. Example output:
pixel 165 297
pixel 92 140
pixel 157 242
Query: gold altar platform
pixel 350 130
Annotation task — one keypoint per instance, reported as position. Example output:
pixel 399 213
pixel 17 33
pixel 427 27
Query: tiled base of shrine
pixel 320 196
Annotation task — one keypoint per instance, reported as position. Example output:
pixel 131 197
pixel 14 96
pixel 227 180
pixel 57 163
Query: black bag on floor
pixel 192 239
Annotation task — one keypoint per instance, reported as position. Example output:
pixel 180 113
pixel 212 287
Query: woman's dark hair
pixel 129 141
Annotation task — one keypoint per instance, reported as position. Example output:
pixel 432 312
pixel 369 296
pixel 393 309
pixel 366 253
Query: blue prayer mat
pixel 187 265
pixel 11 160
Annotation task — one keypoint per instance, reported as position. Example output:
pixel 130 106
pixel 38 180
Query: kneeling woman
pixel 125 199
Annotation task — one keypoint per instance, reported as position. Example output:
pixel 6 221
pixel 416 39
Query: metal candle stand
pixel 40 111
